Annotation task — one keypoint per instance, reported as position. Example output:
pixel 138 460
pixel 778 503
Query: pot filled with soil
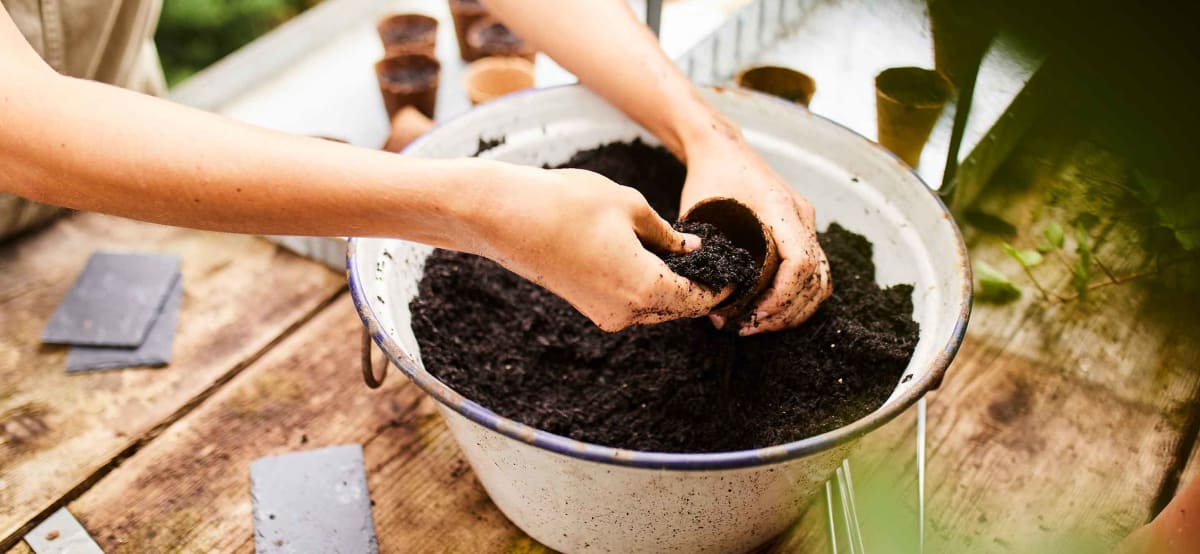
pixel 673 437
pixel 908 102
pixel 408 80
pixel 489 37
pixel 408 33
pixel 783 82
pixel 465 12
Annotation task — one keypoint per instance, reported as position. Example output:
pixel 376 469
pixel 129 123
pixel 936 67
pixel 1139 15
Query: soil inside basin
pixel 681 386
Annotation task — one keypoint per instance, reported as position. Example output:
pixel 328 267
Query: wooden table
pixel 1057 417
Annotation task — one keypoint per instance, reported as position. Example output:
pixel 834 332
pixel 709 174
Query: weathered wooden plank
pixel 191 484
pixel 57 431
pixel 1058 419
pixel 20 548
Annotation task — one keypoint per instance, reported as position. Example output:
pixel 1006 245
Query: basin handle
pixel 368 372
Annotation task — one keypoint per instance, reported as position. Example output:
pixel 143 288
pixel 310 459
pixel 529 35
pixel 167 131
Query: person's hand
pixel 585 238
pixel 724 165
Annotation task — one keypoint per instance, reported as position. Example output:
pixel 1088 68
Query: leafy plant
pixel 1052 238
pixel 1082 272
pixel 192 34
pixel 994 286
pixel 1174 207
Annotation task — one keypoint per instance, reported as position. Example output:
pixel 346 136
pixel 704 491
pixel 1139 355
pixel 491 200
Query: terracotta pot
pixel 465 12
pixel 408 124
pixel 408 80
pixel 493 77
pixel 408 33
pixel 908 101
pixel 783 82
pixel 744 229
pixel 489 37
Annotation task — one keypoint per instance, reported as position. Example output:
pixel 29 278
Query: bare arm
pixel 603 43
pixel 91 146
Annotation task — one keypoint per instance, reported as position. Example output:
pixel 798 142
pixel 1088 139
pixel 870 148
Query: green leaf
pixel 1146 189
pixel 1083 263
pixel 1054 235
pixel 994 287
pixel 1024 256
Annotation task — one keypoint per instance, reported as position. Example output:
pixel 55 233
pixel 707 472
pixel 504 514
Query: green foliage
pixel 1082 272
pixel 994 286
pixel 192 34
pixel 1052 238
pixel 1024 256
pixel 1174 208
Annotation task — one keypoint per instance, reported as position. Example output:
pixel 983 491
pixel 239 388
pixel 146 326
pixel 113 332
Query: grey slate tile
pixel 61 533
pixel 114 300
pixel 154 352
pixel 313 501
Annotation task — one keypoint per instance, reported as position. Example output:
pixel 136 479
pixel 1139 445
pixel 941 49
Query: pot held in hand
pixel 745 230
pixel 908 101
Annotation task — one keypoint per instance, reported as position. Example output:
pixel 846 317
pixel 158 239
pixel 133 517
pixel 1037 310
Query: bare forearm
pixel 90 146
pixel 612 53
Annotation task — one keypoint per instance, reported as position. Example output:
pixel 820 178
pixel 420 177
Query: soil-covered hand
pixel 728 167
pixel 589 240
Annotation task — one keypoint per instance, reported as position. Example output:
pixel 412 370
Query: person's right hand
pixel 586 239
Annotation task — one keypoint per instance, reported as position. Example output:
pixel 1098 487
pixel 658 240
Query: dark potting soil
pixel 717 264
pixel 680 386
pixel 497 34
pixel 413 75
pixel 407 32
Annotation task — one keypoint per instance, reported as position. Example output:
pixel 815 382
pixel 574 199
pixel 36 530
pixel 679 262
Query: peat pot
pixel 577 497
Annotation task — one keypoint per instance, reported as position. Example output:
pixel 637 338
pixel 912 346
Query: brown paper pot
pixel 408 80
pixel 960 37
pixel 489 37
pixel 408 33
pixel 465 12
pixel 493 77
pixel 908 101
pixel 743 227
pixel 408 124
pixel 783 82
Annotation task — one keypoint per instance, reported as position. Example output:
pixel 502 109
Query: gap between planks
pixel 74 492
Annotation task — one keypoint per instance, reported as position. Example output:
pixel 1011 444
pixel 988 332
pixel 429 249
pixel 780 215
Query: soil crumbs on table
pixel 680 386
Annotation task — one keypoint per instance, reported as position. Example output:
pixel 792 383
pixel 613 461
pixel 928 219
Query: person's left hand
pixel 728 167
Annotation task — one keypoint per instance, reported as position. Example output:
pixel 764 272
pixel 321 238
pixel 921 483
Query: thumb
pixel 658 236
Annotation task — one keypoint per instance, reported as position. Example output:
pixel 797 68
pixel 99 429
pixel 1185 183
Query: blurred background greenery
pixel 192 34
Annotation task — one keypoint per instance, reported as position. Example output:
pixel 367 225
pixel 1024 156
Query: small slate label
pixel 114 301
pixel 313 501
pixel 154 352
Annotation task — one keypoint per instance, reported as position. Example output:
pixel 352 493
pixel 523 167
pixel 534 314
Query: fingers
pixel 802 281
pixel 657 235
pixel 806 284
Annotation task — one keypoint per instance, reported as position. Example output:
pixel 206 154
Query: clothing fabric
pixel 111 41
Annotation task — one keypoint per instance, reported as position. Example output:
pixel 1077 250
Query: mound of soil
pixel 718 263
pixel 680 386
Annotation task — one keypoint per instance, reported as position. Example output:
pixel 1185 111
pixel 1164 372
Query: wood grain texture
pixel 57 431
pixel 192 482
pixel 1059 420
